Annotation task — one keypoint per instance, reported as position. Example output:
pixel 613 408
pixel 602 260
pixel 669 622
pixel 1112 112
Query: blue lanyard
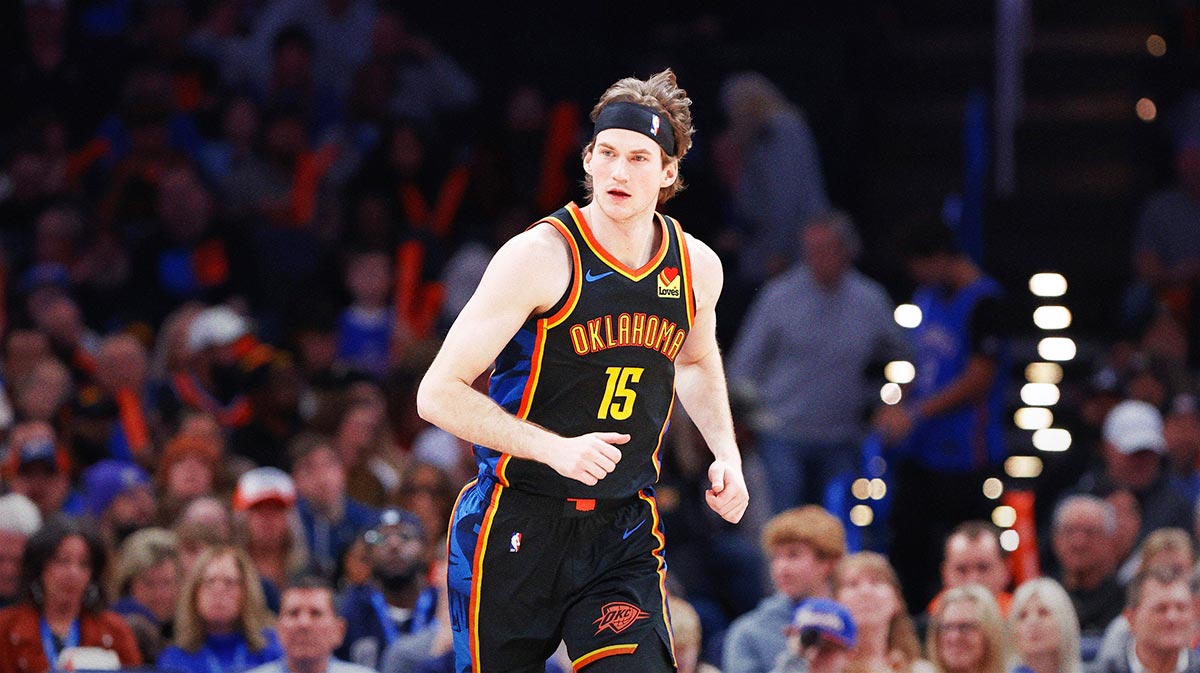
pixel 239 660
pixel 390 633
pixel 52 652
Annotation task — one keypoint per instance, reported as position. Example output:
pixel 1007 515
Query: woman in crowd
pixel 887 641
pixel 1045 628
pixel 966 633
pixel 146 582
pixel 62 607
pixel 221 622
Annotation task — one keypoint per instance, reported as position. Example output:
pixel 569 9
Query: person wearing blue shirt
pixel 948 434
pixel 331 520
pixel 398 600
pixel 221 625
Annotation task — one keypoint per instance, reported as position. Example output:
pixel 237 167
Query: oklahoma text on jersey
pixel 637 329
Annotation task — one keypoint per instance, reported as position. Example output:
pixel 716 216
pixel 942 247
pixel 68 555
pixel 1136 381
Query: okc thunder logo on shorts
pixel 618 616
pixel 654 125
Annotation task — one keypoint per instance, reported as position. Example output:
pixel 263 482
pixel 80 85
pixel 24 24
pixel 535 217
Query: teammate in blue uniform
pixel 597 318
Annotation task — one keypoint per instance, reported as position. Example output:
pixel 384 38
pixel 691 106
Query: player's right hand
pixel 587 458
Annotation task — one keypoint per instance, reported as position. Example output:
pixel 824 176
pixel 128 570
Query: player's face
pixel 627 171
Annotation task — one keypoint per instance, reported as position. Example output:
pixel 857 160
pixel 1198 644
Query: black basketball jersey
pixel 601 360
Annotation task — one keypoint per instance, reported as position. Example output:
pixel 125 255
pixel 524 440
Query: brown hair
pixel 661 93
pixel 902 643
pixel 810 525
pixel 254 617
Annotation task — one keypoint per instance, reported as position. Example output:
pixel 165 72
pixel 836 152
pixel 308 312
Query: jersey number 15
pixel 618 395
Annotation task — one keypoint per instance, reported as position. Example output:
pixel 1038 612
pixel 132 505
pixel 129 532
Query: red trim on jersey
pixel 686 258
pixel 576 275
pixel 616 264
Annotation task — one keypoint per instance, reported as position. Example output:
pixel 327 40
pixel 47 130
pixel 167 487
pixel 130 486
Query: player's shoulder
pixel 704 258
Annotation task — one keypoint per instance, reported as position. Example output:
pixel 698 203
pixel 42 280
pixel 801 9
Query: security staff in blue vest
pixel 948 433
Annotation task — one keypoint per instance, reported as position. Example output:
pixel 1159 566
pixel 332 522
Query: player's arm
pixel 700 384
pixel 526 277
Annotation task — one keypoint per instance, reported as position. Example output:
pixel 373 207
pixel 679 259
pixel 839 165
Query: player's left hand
pixel 728 495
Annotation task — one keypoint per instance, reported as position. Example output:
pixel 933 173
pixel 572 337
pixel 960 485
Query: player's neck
pixel 632 241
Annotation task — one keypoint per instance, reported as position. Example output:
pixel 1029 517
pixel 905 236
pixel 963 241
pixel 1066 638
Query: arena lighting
pixel 1039 394
pixel 907 315
pixel 1059 349
pixel 890 393
pixel 861 489
pixel 1033 418
pixel 993 488
pixel 1147 111
pixel 1048 284
pixel 1043 372
pixel 1052 439
pixel 1010 540
pixel 1004 516
pixel 900 371
pixel 1157 46
pixel 1052 317
pixel 878 489
pixel 862 515
pixel 1023 467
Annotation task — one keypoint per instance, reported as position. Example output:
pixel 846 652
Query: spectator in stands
pixel 39 469
pixel 119 495
pixel 19 519
pixel 1044 628
pixel 367 327
pixel 685 627
pixel 267 528
pixel 771 166
pixel 1082 535
pixel 887 641
pixel 62 606
pixel 398 600
pixel 146 583
pixel 951 424
pixel 221 624
pixel 973 555
pixel 1167 548
pixel 819 639
pixel 187 470
pixel 364 443
pixel 1133 448
pixel 811 384
pixel 309 631
pixel 967 634
pixel 214 380
pixel 1181 433
pixel 330 518
pixel 1161 614
pixel 204 523
pixel 803 546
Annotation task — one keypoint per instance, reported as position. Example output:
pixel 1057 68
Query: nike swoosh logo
pixel 591 278
pixel 631 531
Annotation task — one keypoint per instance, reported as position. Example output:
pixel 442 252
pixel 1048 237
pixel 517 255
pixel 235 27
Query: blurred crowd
pixel 232 232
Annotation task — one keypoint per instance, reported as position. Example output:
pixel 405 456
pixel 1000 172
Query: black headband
pixel 639 118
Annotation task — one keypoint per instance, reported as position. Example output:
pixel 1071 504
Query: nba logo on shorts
pixel 514 543
pixel 654 125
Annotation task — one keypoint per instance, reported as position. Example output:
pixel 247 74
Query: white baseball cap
pixel 1133 426
pixel 215 326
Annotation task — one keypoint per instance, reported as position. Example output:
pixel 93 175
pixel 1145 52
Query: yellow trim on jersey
pixel 662 566
pixel 616 264
pixel 485 530
pixel 596 655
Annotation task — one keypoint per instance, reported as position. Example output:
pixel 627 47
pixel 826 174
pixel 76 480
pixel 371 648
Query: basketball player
pixel 595 318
